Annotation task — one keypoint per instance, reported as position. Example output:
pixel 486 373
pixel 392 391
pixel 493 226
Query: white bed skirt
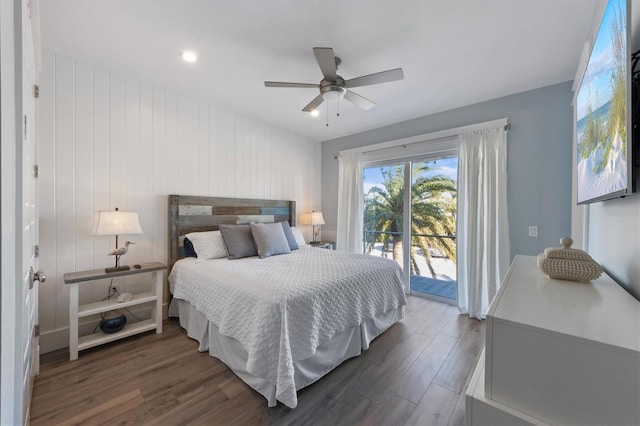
pixel 329 355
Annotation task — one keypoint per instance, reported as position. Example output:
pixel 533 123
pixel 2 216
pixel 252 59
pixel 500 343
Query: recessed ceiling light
pixel 189 56
pixel 315 113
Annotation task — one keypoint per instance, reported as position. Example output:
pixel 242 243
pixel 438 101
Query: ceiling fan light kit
pixel 333 93
pixel 333 87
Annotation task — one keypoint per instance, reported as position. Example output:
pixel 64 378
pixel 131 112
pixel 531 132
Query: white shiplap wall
pixel 109 141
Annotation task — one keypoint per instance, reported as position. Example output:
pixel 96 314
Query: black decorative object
pixel 113 325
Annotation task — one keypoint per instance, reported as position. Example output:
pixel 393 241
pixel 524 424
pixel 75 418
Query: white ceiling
pixel 453 53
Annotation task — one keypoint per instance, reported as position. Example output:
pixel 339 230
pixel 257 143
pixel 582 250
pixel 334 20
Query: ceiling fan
pixel 333 87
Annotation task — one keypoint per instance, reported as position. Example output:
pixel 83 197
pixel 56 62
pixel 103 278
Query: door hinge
pixel 36 330
pixel 36 250
pixel 36 91
pixel 36 170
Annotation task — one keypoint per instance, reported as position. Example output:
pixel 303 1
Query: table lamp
pixel 118 223
pixel 315 219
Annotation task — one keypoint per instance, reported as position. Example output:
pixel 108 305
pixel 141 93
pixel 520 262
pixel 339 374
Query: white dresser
pixel 558 352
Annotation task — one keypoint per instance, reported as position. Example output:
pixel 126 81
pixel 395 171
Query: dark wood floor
pixel 414 374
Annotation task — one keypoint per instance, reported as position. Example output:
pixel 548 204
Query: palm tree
pixel 433 209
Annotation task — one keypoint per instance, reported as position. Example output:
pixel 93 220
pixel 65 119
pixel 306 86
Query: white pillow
pixel 298 235
pixel 208 245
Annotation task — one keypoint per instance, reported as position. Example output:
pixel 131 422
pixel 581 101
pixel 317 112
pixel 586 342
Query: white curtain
pixel 483 226
pixel 350 203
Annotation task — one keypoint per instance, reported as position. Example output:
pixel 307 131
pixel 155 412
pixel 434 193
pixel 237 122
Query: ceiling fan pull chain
pixel 327 114
pixel 338 109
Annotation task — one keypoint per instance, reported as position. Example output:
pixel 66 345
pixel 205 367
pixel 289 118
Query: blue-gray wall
pixel 539 160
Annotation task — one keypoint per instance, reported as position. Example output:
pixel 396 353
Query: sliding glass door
pixel 426 248
pixel 433 228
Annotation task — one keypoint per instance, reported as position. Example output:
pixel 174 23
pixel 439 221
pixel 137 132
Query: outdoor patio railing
pixel 367 233
pixel 441 283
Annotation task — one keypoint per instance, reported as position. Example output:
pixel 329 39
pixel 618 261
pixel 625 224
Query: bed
pixel 280 322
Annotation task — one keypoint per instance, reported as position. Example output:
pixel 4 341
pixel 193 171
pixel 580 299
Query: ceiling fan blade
pixel 283 84
pixel 327 62
pixel 314 104
pixel 377 78
pixel 358 100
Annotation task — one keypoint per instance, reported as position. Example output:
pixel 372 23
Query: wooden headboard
pixel 193 214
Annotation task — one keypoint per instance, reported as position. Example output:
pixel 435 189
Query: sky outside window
pixel 372 176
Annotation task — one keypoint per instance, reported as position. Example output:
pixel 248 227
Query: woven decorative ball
pixel 565 263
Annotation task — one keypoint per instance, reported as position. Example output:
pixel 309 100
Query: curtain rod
pixel 445 138
pixel 441 134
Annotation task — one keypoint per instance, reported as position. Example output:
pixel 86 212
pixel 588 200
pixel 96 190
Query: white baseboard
pixel 53 340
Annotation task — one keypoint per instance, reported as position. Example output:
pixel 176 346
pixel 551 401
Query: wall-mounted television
pixel 603 111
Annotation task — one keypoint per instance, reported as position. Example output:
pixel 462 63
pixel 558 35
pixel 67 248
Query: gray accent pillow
pixel 291 239
pixel 270 239
pixel 239 241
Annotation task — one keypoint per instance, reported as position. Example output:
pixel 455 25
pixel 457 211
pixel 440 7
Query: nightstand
pixel 76 311
pixel 324 244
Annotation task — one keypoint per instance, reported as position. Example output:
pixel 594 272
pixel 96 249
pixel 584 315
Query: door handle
pixel 36 276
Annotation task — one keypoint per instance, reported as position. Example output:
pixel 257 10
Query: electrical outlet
pixel 533 231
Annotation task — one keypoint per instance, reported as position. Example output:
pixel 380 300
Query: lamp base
pixel 116 269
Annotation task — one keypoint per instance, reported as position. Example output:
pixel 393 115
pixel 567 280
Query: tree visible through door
pixel 432 203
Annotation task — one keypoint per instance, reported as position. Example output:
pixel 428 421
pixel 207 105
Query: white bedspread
pixel 282 307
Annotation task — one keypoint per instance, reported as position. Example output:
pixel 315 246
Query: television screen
pixel 603 149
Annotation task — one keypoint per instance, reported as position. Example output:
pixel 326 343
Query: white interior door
pixel 20 349
pixel 31 275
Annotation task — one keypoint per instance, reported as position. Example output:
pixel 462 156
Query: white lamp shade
pixel 316 218
pixel 117 223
